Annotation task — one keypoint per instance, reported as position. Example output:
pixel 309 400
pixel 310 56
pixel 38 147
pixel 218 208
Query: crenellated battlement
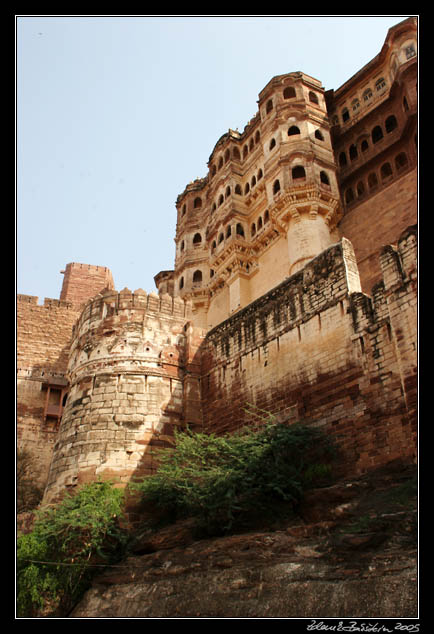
pixel 48 301
pixel 111 303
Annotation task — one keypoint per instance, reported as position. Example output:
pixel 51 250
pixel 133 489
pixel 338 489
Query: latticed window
pixel 355 104
pixel 380 84
pixel 410 51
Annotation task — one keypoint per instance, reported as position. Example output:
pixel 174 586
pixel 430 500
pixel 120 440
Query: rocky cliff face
pixel 351 551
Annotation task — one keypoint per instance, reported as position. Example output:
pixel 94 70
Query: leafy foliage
pixel 222 480
pixel 54 561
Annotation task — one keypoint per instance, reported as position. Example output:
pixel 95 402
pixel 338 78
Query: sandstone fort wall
pixel 44 333
pixel 317 349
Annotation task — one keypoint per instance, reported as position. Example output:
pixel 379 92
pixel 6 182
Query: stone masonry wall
pixel 82 281
pixel 133 380
pixel 43 338
pixel 317 349
pixel 379 221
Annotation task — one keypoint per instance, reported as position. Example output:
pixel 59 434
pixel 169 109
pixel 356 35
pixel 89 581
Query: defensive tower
pixel 132 379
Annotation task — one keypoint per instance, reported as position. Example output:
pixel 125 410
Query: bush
pixel 222 480
pixel 55 561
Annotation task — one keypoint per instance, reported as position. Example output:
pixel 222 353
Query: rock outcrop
pixel 350 552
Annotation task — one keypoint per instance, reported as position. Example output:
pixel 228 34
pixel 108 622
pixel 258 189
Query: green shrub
pixel 222 480
pixel 55 561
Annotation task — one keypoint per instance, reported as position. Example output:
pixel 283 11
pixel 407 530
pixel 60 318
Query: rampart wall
pixel 317 349
pixel 43 335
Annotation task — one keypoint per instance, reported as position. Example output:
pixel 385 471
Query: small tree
pixel 222 480
pixel 55 561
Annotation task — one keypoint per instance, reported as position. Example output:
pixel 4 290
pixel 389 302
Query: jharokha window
pixel 56 392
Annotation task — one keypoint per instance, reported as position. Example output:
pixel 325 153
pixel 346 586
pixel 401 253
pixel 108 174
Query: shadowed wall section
pixel 317 349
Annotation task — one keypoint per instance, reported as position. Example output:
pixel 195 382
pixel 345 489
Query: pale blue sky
pixel 117 114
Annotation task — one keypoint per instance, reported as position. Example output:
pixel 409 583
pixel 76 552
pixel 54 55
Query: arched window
pixel 214 207
pixel 293 130
pixel 260 175
pixel 386 172
pixel 252 144
pixel 269 106
pixel 236 154
pixel 259 223
pixel 313 98
pixel 221 199
pixel 253 229
pixel 372 181
pixel 197 203
pixel 289 92
pixel 272 144
pixel 246 189
pixel 349 196
pixel 253 181
pixel 298 172
pixel 266 216
pixel 367 94
pixel 391 123
pixel 220 163
pixel 221 238
pixel 197 277
pixel 355 104
pixel 401 161
pixel 211 272
pixel 227 192
pixel 240 230
pixel 364 145
pixel 181 283
pixel 197 239
pixel 257 136
pixel 342 159
pixel 276 186
pixel 345 115
pixel 228 231
pixel 324 178
pixel 238 190
pixel 376 134
pixel 319 135
pixel 410 51
pixel 360 189
pixel 353 152
pixel 380 84
pixel 245 151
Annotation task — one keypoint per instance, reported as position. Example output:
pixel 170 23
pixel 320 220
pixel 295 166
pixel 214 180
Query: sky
pixel 115 115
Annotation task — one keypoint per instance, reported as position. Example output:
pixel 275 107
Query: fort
pixel 293 292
